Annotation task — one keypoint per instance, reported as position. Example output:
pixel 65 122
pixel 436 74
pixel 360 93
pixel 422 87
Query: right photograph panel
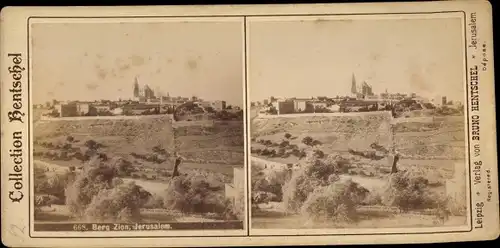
pixel 357 124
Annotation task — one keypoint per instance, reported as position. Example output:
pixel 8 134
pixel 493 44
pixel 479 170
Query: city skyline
pixel 428 60
pixel 190 63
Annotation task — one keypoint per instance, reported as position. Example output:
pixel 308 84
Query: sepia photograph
pixel 357 122
pixel 138 124
pixel 248 125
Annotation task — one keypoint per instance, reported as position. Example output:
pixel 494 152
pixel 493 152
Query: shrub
pixel 92 144
pixel 87 185
pixel 284 143
pixel 319 153
pixel 340 163
pixel 281 152
pixel 315 171
pixel 265 152
pixel 408 191
pixel 288 135
pixel 120 203
pixel 308 140
pixel 70 138
pixel 53 184
pixel 193 193
pixel 336 202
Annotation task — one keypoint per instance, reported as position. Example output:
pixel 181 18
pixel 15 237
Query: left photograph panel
pixel 137 125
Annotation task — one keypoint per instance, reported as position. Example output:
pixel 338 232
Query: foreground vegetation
pixel 319 190
pixel 98 193
pixel 116 169
pixel 335 170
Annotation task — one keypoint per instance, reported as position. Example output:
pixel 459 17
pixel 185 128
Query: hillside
pixel 145 142
pixel 220 142
pixel 443 138
pixel 335 133
pixel 424 144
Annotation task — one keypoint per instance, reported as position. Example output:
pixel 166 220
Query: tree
pixel 193 193
pixel 308 140
pixel 409 191
pixel 313 173
pixel 336 202
pixel 87 185
pixel 120 203
pixel 288 135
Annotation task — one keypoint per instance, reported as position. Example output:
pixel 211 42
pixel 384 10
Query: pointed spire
pixel 354 89
pixel 136 87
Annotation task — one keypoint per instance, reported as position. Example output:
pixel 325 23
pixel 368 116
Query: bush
pixel 408 191
pixel 193 193
pixel 281 152
pixel 120 203
pixel 288 135
pixel 336 202
pixel 308 140
pixel 319 153
pixel 313 173
pixel 87 185
pixel 284 143
pixel 70 138
pixel 53 184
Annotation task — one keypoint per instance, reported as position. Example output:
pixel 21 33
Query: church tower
pixel 354 89
pixel 136 88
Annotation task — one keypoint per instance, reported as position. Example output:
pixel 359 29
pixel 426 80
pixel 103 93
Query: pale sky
pixel 90 61
pixel 318 57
